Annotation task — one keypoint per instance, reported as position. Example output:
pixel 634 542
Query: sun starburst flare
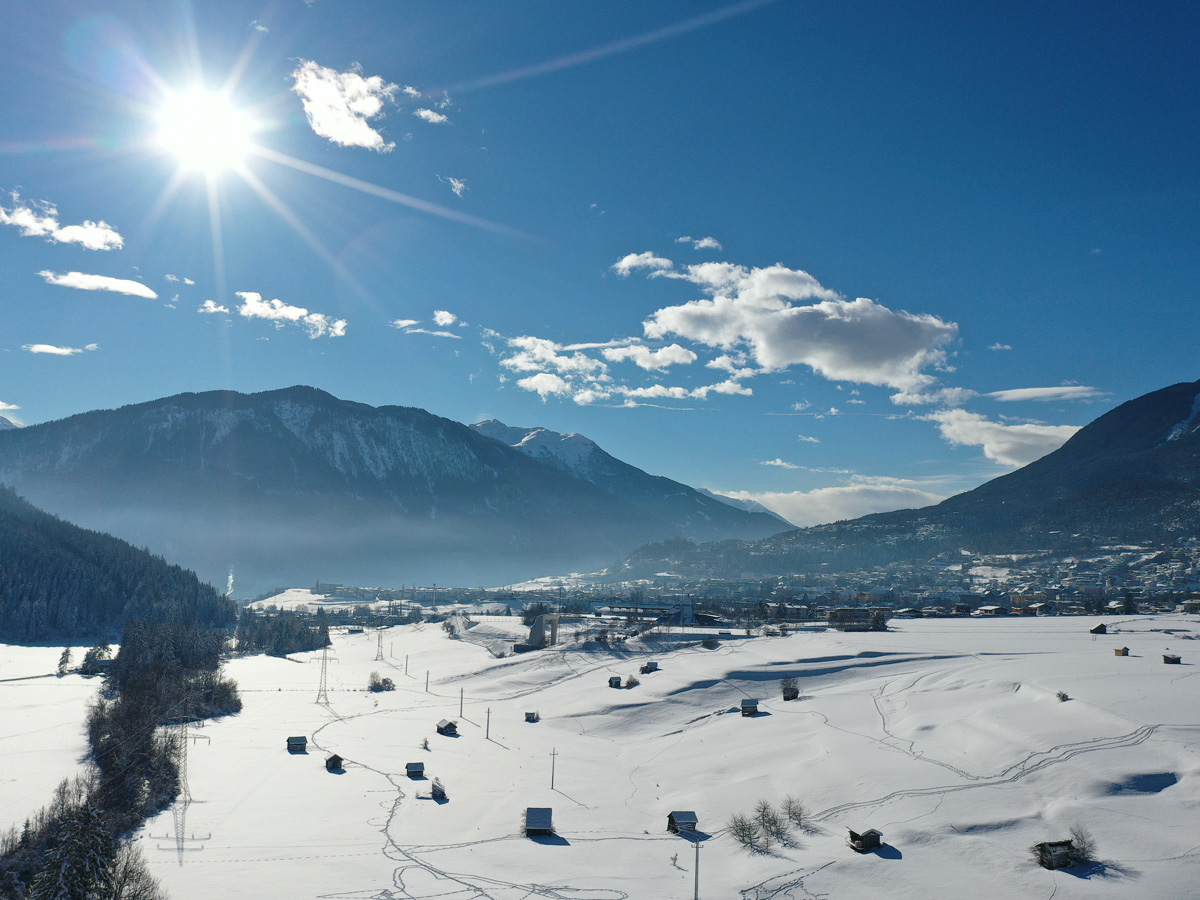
pixel 205 131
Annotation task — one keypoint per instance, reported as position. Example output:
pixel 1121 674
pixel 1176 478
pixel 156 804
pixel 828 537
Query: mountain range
pixel 295 485
pixel 1132 475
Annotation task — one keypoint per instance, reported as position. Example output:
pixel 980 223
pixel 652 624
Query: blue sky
pixel 838 257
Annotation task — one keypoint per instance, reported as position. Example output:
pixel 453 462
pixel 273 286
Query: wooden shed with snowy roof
pixel 682 820
pixel 447 727
pixel 539 820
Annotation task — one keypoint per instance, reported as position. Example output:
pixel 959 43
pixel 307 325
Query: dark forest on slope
pixel 58 580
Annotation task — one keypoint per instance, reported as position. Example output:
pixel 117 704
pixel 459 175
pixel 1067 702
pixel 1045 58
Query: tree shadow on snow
pixel 1101 869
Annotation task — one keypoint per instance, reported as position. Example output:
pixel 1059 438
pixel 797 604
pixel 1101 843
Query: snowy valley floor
pixel 946 735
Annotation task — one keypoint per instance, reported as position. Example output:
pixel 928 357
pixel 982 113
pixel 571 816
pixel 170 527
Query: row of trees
pixel 282 632
pixel 767 825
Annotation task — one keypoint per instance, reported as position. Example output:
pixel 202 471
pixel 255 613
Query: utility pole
pixel 405 663
pixel 379 650
pixel 427 681
pixel 696 889
pixel 487 729
pixel 460 702
pixel 553 754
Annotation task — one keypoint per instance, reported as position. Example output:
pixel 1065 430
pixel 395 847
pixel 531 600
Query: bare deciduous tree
pixel 795 811
pixel 743 830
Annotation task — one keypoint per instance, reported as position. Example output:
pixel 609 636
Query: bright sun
pixel 204 131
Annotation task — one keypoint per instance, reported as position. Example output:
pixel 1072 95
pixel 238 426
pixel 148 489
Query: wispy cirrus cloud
pixel 338 104
pixel 253 306
pixel 1044 394
pixel 52 350
pixel 777 463
pixel 41 220
pixel 1009 445
pixel 82 281
pixel 404 323
pixel 177 280
pixel 458 185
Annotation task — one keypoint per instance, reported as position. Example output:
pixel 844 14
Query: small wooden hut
pixel 871 839
pixel 1054 854
pixel 1121 651
pixel 614 681
pixel 447 727
pixel 682 820
pixel 1171 660
pixel 532 717
pixel 1100 629
pixel 333 763
pixel 648 667
pixel 414 770
pixel 539 820
pixel 297 744
pixel 749 707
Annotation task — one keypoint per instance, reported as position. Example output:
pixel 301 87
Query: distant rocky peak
pixel 6 424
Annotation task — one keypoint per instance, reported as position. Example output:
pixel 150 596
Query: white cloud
pixel 177 279
pixel 538 354
pixel 84 282
pixel 318 325
pixel 404 323
pixel 808 439
pixel 704 243
pixel 1009 445
pixel 411 91
pixel 443 318
pixel 449 334
pixel 1064 392
pixel 41 220
pixel 951 396
pixel 211 306
pixel 433 118
pixel 647 260
pixel 458 185
pixel 52 350
pixel 257 27
pixel 338 104
pixel 5 407
pixel 545 384
pixel 645 358
pixel 843 340
pixel 779 463
pixel 833 504
pixel 999 346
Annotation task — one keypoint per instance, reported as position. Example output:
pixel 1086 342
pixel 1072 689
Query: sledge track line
pixel 1028 766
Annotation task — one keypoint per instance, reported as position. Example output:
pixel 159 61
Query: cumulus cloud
pixel 647 260
pixel 57 351
pixel 443 318
pixel 84 282
pixel 861 497
pixel 843 340
pixel 545 385
pixel 404 323
pixel 317 324
pixel 1009 445
pixel 6 407
pixel 211 306
pixel 645 358
pixel 779 463
pixel 1063 392
pixel 999 346
pixel 431 116
pixel 41 220
pixel 704 243
pixel 338 104
pixel 535 354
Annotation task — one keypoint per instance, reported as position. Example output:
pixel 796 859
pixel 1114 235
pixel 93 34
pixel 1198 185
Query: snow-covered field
pixel 41 727
pixel 947 735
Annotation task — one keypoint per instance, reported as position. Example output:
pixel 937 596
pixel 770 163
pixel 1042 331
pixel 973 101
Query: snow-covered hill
pixel 946 735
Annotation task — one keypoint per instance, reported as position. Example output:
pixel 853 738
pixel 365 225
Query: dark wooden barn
pixel 682 820
pixel 539 820
pixel 447 727
pixel 749 707
pixel 297 744
pixel 333 764
pixel 871 839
